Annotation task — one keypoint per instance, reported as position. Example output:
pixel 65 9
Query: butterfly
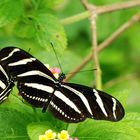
pixel 68 102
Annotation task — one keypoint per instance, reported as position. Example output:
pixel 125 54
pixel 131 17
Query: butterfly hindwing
pixel 66 106
pixel 88 102
pixel 75 103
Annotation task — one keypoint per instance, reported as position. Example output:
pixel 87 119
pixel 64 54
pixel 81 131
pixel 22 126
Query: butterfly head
pixel 61 77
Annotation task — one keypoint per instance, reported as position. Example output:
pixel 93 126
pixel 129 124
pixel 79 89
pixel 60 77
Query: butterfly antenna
pixel 56 57
pixel 29 49
pixel 80 71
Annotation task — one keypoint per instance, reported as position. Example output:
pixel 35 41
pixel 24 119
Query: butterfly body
pixel 66 101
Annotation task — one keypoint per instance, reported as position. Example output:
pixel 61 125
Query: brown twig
pixel 106 43
pixel 135 18
pixel 117 6
pixel 102 10
pixel 92 19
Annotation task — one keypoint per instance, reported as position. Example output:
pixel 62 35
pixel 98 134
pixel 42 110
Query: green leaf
pixel 10 10
pixel 133 120
pixel 101 130
pixel 49 30
pixel 36 129
pixel 13 125
pixel 25 28
pixel 72 128
pixel 53 4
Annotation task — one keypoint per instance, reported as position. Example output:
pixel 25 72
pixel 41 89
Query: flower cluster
pixel 55 71
pixel 50 135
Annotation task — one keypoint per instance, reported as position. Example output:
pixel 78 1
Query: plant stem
pixel 75 18
pixel 135 18
pixel 101 10
pixel 36 116
pixel 117 6
pixel 97 73
pixel 96 63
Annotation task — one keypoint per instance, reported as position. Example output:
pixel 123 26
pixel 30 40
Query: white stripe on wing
pixel 114 108
pixel 2 85
pixel 22 62
pixel 10 54
pixel 3 71
pixel 83 98
pixel 66 100
pixel 100 102
pixel 42 87
pixel 35 72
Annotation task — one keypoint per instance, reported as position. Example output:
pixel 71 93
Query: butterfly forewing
pixel 17 61
pixel 35 89
pixel 34 81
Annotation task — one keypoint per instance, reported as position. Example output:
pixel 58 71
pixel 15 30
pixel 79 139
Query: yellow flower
pixel 42 137
pixel 63 135
pixel 50 135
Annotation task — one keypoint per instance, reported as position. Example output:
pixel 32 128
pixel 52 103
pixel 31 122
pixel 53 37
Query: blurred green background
pixel 36 23
pixel 120 61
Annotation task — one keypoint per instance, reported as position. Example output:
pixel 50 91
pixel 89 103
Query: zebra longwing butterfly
pixel 66 101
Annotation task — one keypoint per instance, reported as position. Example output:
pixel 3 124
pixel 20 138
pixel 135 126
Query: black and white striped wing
pixel 67 106
pixel 34 81
pixel 17 61
pixel 75 103
pixel 35 88
pixel 5 85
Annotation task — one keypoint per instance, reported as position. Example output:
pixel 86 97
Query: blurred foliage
pixel 34 25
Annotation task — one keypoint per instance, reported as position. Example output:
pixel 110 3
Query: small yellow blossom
pixel 63 135
pixel 50 135
pixel 42 137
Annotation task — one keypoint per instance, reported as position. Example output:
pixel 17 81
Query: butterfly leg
pixel 46 104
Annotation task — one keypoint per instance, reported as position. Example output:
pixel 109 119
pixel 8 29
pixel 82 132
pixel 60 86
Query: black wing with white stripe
pixel 6 85
pixel 16 61
pixel 85 102
pixel 66 101
pixel 34 81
